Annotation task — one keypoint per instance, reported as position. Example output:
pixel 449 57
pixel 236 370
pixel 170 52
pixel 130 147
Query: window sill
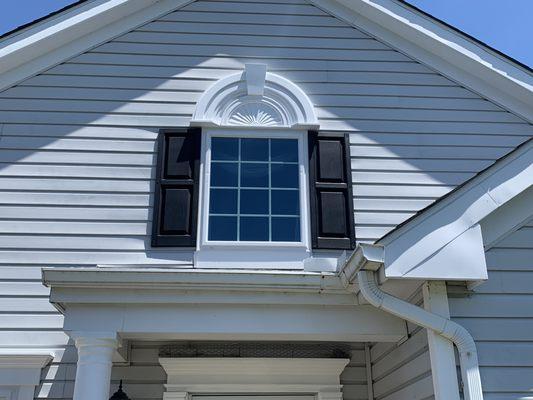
pixel 253 256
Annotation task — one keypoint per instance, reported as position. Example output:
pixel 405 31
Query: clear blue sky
pixel 503 24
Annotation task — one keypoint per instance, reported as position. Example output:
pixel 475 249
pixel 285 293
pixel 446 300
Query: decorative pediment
pixel 312 376
pixel 255 98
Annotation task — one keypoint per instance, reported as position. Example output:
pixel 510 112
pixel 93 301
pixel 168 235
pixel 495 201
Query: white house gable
pixel 79 172
pixel 89 125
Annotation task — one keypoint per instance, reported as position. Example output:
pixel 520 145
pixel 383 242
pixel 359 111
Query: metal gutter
pixel 193 279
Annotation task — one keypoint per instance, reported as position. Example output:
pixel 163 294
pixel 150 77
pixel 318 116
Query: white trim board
pixel 68 34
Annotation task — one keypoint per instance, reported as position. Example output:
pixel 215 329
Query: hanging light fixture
pixel 119 394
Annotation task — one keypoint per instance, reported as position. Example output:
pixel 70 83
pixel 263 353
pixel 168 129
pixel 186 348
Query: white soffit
pixel 442 48
pixel 445 241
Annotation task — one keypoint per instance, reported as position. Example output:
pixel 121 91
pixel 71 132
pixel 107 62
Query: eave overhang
pixel 78 29
pixel 216 305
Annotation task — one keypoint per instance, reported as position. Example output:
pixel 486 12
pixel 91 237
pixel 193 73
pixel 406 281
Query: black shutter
pixel 176 193
pixel 332 222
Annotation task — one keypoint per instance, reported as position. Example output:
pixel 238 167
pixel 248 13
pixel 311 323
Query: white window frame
pixel 252 254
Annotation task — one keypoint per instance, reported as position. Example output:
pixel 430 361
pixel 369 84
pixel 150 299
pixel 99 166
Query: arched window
pixel 254 189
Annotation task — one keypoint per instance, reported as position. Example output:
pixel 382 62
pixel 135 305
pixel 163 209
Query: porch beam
pixel 238 322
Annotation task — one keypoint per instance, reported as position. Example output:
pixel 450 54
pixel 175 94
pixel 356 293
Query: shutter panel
pixel 176 193
pixel 332 223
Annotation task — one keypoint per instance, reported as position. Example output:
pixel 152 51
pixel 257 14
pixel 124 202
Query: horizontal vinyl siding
pixel 499 316
pixel 82 133
pixel 402 371
pixel 77 148
pixel 353 379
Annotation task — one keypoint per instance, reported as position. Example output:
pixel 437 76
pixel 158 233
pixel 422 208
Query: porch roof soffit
pixel 53 40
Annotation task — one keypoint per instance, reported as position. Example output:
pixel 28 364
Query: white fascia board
pixel 441 48
pixel 71 33
pixel 449 224
pixel 111 286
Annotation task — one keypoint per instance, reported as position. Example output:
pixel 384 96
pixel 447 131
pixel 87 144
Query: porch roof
pixel 445 240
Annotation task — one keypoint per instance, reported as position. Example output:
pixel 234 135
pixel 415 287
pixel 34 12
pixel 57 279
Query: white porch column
pixel 441 351
pixel 95 359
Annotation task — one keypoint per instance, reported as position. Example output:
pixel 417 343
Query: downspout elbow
pixel 445 327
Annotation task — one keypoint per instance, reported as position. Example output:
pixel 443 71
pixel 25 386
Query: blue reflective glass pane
pixel 224 174
pixel 285 175
pixel 284 150
pixel 223 228
pixel 224 149
pixel 254 175
pixel 285 202
pixel 254 149
pixel 223 201
pixel 285 229
pixel 254 201
pixel 254 229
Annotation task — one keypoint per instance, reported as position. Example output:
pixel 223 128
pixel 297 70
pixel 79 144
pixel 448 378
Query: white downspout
pixel 363 263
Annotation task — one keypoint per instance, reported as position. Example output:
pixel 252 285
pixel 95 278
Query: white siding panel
pixel 275 18
pixel 75 199
pixel 76 157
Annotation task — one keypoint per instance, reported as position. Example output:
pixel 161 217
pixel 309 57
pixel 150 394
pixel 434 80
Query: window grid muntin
pixel 270 216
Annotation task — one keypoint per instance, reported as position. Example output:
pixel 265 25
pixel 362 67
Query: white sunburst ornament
pixel 255 114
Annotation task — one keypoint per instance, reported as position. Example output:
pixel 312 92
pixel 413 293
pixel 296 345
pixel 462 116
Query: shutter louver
pixel 332 222
pixel 176 193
